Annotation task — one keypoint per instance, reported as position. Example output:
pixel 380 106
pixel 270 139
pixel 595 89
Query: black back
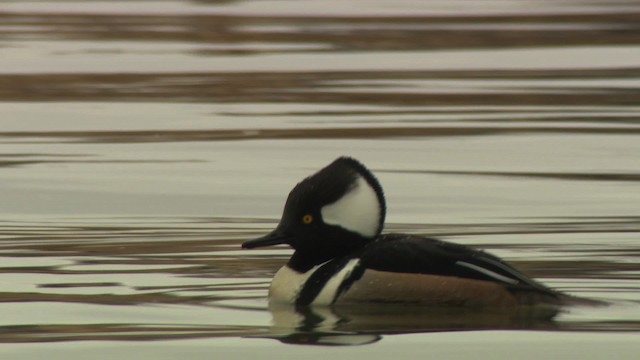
pixel 419 255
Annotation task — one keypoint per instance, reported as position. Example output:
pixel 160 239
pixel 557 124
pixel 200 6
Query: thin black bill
pixel 273 238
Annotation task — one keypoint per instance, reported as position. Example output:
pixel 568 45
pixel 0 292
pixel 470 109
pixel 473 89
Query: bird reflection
pixel 366 324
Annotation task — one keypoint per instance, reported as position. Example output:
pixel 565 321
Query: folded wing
pixel 419 255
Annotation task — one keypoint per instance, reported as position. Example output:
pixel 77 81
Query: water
pixel 141 142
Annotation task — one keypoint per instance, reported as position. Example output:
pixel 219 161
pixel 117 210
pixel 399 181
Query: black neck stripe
pixel 355 275
pixel 317 281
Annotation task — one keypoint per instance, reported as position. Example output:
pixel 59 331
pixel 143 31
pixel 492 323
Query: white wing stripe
pixel 488 272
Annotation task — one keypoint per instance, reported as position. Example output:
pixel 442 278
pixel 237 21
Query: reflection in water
pixel 307 133
pixel 365 324
pixel 522 116
pixel 592 86
pixel 344 33
pixel 149 269
pixel 559 176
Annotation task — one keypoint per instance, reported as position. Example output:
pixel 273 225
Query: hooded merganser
pixel 334 219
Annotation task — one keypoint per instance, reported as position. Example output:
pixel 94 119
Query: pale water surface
pixel 141 142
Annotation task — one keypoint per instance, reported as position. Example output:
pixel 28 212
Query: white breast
pixel 287 284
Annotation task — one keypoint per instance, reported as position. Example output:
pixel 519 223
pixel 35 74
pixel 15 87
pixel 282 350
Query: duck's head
pixel 338 209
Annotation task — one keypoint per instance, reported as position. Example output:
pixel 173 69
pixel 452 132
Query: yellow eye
pixel 307 219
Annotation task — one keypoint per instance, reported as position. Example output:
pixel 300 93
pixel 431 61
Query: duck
pixel 334 222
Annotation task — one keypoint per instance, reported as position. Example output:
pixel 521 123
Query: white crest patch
pixel 357 211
